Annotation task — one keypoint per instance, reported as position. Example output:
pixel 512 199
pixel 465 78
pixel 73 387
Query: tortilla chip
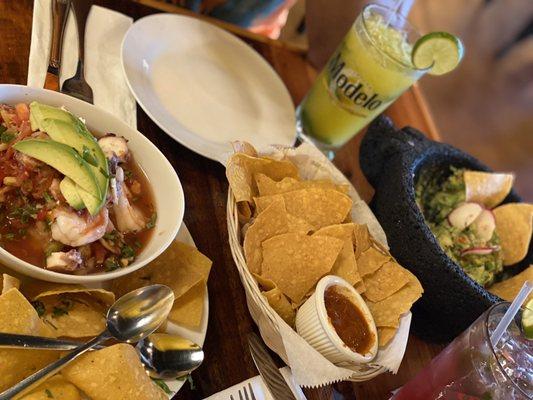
pixel 244 212
pixel 514 225
pixel 296 224
pixel 292 261
pixel 387 312
pixel 509 288
pixel 271 222
pixel 9 282
pixel 345 265
pixel 18 316
pixel 241 169
pixel 385 334
pixel 74 315
pixel 37 290
pixel 180 267
pixel 54 388
pixel 319 207
pixel 371 260
pixel 279 302
pixel 360 287
pixel 188 310
pixel 361 240
pixel 267 186
pixel 264 283
pixel 386 281
pixel 114 372
pixel 487 188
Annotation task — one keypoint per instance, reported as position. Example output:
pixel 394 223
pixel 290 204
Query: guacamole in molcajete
pixel 465 229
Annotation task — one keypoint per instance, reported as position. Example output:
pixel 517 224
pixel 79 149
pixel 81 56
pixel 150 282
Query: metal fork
pixel 77 86
pixel 245 393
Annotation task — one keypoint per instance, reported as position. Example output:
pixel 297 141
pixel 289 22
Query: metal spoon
pixel 169 357
pixel 164 356
pixel 133 317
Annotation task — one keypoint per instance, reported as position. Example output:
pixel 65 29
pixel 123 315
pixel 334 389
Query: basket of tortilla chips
pixel 293 218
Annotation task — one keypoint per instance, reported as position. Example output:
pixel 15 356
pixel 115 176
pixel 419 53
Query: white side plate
pixel 205 87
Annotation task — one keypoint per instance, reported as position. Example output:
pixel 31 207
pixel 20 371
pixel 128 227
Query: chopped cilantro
pixel 47 197
pixel 49 393
pixel 2 129
pixel 151 222
pixel 111 235
pixel 62 309
pixel 127 252
pixel 39 307
pixel 25 214
pixel 9 236
pixel 111 264
pixel 137 245
pixel 6 137
pixel 127 173
pixel 161 383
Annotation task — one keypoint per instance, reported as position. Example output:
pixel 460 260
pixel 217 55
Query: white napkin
pixel 103 67
pixel 259 387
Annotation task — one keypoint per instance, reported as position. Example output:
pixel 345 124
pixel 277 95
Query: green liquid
pixel 368 71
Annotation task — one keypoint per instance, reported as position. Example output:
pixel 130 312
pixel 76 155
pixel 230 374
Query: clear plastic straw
pixel 395 11
pixel 511 312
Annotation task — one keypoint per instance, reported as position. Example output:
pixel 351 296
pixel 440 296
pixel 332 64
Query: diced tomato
pixel 41 215
pixel 23 111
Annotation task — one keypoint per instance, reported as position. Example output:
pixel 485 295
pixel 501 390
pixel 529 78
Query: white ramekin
pixel 313 324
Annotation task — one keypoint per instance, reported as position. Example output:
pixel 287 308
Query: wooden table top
pixel 228 361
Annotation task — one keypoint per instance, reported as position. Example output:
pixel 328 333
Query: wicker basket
pixel 264 316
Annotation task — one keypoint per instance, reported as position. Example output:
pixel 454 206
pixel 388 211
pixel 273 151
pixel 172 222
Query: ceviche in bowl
pixel 78 200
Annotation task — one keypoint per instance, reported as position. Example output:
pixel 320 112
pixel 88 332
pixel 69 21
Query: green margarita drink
pixel 368 71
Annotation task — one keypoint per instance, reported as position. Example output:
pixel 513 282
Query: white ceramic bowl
pixel 166 186
pixel 312 323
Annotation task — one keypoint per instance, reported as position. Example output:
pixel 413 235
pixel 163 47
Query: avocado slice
pixel 39 112
pixel 70 193
pixel 63 158
pixel 93 204
pixel 76 135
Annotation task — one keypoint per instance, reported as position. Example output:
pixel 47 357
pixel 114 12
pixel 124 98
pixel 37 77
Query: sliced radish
pixel 484 225
pixel 464 214
pixel 480 251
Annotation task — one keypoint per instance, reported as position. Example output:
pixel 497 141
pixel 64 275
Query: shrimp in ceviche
pixel 69 202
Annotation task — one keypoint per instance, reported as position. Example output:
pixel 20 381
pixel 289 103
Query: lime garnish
pixel 440 51
pixel 527 319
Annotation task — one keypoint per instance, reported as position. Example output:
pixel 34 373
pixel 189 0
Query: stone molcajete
pixel 392 160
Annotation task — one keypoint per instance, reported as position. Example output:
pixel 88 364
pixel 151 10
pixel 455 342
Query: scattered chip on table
pixel 292 261
pixel 188 309
pixel 487 188
pixel 18 316
pixel 241 169
pixel 55 387
pixel 386 281
pixel 514 225
pixel 509 288
pixel 319 207
pixel 114 372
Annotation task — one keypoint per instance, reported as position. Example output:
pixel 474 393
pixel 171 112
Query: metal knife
pixel 268 370
pixel 60 11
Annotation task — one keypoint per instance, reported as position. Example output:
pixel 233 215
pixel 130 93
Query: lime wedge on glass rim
pixel 527 319
pixel 440 51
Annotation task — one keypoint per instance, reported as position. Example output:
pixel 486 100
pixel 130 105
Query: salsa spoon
pixel 131 318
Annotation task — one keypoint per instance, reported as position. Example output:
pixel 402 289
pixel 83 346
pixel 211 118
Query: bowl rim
pixel 44 274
